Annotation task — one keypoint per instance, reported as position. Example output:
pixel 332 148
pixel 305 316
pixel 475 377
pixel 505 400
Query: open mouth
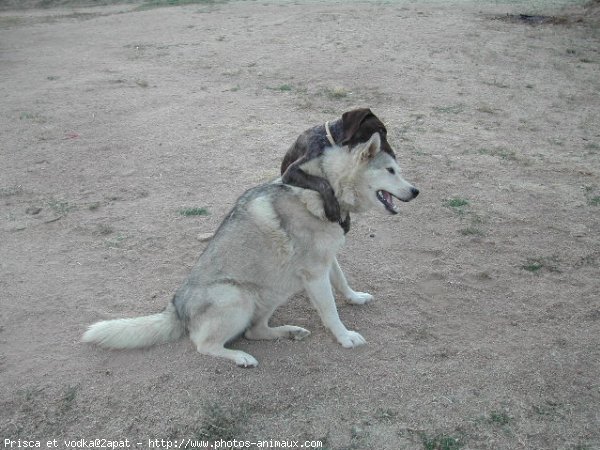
pixel 387 200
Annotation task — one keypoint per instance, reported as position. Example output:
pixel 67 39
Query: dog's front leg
pixel 320 294
pixel 341 285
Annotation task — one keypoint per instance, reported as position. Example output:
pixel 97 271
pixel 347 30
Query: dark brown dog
pixel 355 127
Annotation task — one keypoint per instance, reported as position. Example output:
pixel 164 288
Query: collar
pixel 329 136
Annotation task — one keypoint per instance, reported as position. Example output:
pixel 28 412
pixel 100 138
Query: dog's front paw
pixel 351 339
pixel 298 333
pixel 359 298
pixel 245 360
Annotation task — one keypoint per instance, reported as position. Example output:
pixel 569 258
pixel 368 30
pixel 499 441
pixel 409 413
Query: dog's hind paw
pixel 245 360
pixel 359 298
pixel 351 339
pixel 298 333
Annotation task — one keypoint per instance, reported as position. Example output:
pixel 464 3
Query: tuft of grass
pixel 359 438
pixel 499 418
pixel 534 265
pixel 187 212
pixel 385 415
pixel 31 393
pixel 451 109
pixel 441 442
pixel 116 241
pixel 34 117
pixel 284 88
pixel 337 93
pixel 68 398
pixel 456 203
pixel 10 191
pixel 61 207
pixel 471 231
pixel 547 409
pixel 149 4
pixel 497 84
pixel 594 201
pixel 501 153
pixel 104 230
pixel 219 424
pixel 486 109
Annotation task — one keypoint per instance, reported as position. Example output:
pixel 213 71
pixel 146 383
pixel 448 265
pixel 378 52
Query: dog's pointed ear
pixel 351 121
pixel 371 148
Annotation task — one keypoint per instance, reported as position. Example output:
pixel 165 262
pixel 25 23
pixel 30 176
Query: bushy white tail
pixel 138 332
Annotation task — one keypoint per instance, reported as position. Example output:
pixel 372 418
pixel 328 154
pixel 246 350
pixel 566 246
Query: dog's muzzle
pixel 387 199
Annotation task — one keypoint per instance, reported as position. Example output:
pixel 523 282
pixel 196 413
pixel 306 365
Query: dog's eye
pixel 391 170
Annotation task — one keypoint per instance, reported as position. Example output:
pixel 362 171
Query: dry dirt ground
pixel 485 332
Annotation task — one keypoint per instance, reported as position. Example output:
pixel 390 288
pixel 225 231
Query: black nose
pixel 414 191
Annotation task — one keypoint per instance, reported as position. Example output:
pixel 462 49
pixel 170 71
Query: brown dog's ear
pixel 351 121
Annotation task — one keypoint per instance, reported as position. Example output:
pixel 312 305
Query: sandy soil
pixel 485 332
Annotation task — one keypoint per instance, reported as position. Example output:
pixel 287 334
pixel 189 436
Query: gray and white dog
pixel 276 242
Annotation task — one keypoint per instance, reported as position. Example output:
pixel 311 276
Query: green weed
pixel 534 265
pixel 219 424
pixel 11 190
pixel 61 207
pixel 34 117
pixel 187 212
pixel 594 201
pixel 451 109
pixel 68 398
pixel 456 203
pixel 441 442
pixel 471 231
pixel 499 418
pixel 116 241
pixel 501 153
pixel 104 230
pixel 149 4
pixel 547 409
pixel 337 93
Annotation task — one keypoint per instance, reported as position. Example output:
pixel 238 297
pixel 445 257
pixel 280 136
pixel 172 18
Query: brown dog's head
pixel 359 125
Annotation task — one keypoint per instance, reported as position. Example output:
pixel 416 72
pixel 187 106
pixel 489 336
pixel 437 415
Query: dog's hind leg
pixel 340 284
pixel 321 296
pixel 225 319
pixel 260 329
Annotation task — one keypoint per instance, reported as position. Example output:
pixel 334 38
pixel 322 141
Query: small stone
pixel 204 237
pixel 33 210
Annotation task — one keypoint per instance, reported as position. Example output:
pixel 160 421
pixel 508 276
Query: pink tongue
pixel 388 197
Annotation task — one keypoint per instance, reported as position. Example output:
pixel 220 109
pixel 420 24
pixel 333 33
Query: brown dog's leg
pixel 294 175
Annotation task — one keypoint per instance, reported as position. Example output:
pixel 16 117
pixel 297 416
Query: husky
pixel 354 127
pixel 273 244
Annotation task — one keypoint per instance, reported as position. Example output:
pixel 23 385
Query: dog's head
pixel 359 125
pixel 378 177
